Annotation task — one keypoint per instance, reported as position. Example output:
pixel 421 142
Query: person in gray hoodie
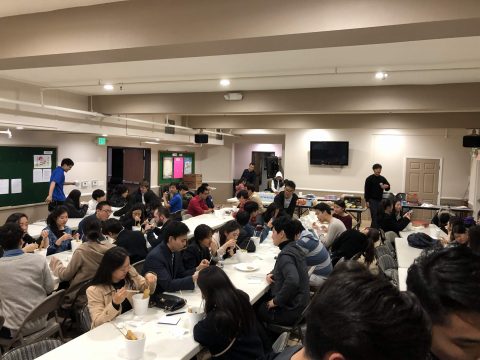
pixel 289 288
pixel 317 255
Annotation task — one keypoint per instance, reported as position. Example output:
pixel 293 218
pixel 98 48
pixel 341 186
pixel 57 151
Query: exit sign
pixel 102 141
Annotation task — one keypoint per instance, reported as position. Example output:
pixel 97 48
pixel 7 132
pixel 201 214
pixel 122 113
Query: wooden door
pixel 421 177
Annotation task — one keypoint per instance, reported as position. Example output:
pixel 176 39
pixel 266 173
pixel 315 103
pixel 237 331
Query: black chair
pixel 74 313
pixel 139 266
pixel 85 319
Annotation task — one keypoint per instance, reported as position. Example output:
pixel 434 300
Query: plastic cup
pixel 256 240
pixel 75 244
pixel 134 349
pixel 218 213
pixel 140 305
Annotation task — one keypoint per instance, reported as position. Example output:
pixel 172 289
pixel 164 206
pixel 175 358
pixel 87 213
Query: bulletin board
pixel 172 166
pixel 25 174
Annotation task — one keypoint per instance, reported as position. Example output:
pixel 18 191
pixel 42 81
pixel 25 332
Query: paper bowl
pixel 140 305
pixel 134 348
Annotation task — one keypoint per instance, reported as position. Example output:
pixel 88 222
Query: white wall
pixel 388 147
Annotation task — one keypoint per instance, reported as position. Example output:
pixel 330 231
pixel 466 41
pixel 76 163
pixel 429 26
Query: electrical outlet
pixel 94 183
pixel 84 184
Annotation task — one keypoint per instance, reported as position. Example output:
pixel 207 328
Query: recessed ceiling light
pixel 19 127
pixel 104 135
pixel 108 87
pixel 381 75
pixel 224 82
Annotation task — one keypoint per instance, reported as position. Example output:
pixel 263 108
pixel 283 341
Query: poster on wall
pixel 42 161
pixel 167 167
pixel 178 167
pixel 187 166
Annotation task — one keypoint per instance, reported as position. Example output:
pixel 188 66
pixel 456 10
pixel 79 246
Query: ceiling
pixel 20 7
pixel 416 62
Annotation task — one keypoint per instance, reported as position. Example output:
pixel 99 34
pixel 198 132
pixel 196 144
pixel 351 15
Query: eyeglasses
pixel 107 211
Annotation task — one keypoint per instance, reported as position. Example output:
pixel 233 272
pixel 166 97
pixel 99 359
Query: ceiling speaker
pixel 201 138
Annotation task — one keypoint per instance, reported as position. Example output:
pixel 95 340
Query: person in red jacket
pixel 197 205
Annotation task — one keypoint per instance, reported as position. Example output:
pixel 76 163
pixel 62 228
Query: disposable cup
pixel 243 256
pixel 75 244
pixel 140 305
pixel 134 348
pixel 256 240
pixel 195 314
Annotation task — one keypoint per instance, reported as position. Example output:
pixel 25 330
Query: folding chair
pixel 139 266
pixel 73 314
pixel 46 307
pixel 281 343
pixel 85 320
pixel 32 351
pixel 389 268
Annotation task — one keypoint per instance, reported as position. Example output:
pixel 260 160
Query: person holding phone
pixel 59 234
pixel 388 221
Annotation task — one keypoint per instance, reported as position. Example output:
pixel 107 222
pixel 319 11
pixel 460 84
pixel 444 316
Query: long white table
pixel 211 220
pixel 166 342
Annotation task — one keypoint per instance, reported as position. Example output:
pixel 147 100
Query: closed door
pixel 422 179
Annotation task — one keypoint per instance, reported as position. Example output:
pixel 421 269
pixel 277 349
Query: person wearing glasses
pixel 102 213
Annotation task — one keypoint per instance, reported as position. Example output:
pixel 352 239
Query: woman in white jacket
pixel 277 183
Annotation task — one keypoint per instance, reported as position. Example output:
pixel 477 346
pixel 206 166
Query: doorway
pixel 127 166
pixel 259 158
pixel 422 178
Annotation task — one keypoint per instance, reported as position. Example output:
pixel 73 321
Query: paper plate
pixel 248 267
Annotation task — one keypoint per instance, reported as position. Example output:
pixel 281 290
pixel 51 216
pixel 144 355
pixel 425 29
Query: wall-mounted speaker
pixel 471 141
pixel 201 138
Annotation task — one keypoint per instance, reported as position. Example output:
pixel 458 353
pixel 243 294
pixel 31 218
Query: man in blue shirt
pixel 175 203
pixel 56 196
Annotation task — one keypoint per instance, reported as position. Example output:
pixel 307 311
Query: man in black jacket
pixel 155 232
pixel 375 184
pixel 132 241
pixel 287 199
pixel 166 261
pixel 249 174
pixel 289 288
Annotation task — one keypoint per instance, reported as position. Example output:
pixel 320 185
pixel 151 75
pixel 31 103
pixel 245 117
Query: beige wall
pixel 390 148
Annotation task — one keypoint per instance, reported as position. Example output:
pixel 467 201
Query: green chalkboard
pixel 21 164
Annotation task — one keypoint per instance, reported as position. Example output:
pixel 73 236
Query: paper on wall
pixel 42 161
pixel 16 185
pixel 37 176
pixel 4 186
pixel 46 175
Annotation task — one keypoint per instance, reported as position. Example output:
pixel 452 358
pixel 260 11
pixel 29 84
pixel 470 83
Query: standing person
pixel 287 199
pixel 375 184
pixel 174 205
pixel 197 206
pixel 56 196
pixel 335 226
pixel 229 329
pixel 28 284
pixel 249 174
pixel 447 283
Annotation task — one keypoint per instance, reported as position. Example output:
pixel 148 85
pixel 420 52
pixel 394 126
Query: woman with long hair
pixel 59 234
pixel 84 261
pixel 108 295
pixel 136 216
pixel 225 240
pixel 198 248
pixel 387 220
pixel 340 213
pixel 72 203
pixel 29 243
pixel 352 242
pixel 229 329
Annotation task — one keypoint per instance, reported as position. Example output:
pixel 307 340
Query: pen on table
pixel 177 313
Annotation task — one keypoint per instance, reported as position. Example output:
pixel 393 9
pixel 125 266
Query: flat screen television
pixel 328 152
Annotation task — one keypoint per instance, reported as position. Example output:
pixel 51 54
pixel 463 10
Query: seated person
pixel 165 260
pixel 197 206
pixel 240 185
pixel 474 238
pixel 277 183
pixel 72 203
pixel 185 194
pixel 332 334
pixel 335 226
pixel 209 199
pixel 132 241
pixel 84 262
pixel 29 243
pixel 340 214
pixel 119 197
pixel 242 197
pixel 387 220
pixel 135 217
pixel 174 203
pixel 397 211
pixel 146 196
pixel 443 219
pixel 229 329
pixel 27 286
pixel 156 232
pixel 459 234
pixel 224 242
pixel 251 207
pixel 59 234
pixel 98 195
pixel 108 296
pixel 287 199
pixel 253 196
pixel 352 242
pixel 273 211
pixel 198 248
pixel 103 212
pixel 244 239
pixel 317 256
pixel 452 277
pixel 289 289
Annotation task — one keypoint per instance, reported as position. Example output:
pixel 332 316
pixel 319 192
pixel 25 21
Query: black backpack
pixel 420 240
